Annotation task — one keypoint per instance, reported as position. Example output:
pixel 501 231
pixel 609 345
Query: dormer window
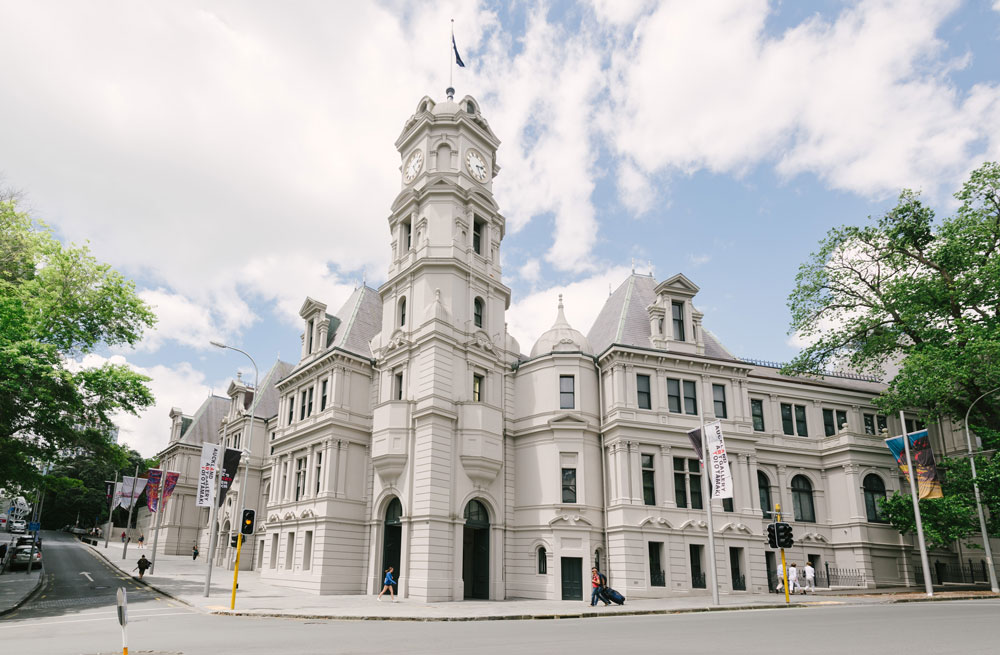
pixel 477 312
pixel 477 236
pixel 678 315
pixel 469 107
pixel 309 335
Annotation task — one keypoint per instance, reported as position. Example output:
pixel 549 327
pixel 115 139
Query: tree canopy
pixel 57 304
pixel 923 294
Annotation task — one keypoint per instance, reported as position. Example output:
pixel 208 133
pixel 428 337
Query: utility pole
pixel 111 508
pixel 128 522
pixel 928 585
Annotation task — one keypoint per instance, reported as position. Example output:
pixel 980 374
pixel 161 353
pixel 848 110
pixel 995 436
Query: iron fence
pixel 698 581
pixel 955 572
pixel 739 583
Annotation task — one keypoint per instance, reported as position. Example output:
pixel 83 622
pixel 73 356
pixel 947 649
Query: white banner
pixel 131 490
pixel 721 477
pixel 118 495
pixel 206 477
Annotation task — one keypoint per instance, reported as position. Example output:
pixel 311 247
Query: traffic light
pixel 248 517
pixel 234 540
pixel 784 535
pixel 772 537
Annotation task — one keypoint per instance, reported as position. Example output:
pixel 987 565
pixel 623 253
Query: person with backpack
pixel 194 552
pixel 597 582
pixel 142 565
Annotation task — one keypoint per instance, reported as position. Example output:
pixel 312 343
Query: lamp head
pixel 218 344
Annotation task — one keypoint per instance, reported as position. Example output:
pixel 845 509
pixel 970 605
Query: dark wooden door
pixel 572 578
pixel 476 562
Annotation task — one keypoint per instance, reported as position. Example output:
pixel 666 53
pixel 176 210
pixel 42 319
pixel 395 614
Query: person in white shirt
pixel 810 578
pixel 793 579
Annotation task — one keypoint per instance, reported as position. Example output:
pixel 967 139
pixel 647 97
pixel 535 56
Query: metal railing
pixel 698 581
pixel 739 583
pixel 657 579
pixel 955 572
pixel 830 374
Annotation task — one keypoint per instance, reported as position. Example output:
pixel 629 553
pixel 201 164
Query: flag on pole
pixel 131 490
pixel 926 473
pixel 169 484
pixel 458 57
pixel 230 464
pixel 118 495
pixel 153 492
pixel 207 473
pixel 718 464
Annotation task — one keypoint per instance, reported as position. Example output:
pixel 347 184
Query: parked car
pixel 18 526
pixel 23 554
pixel 22 541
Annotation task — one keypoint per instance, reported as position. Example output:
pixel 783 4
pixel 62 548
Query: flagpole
pixel 213 514
pixel 111 508
pixel 160 507
pixel 451 59
pixel 131 504
pixel 928 586
pixel 707 499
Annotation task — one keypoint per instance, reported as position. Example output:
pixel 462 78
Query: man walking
pixel 810 578
pixel 597 582
pixel 793 579
pixel 142 565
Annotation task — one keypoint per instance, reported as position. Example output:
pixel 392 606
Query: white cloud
pixel 635 189
pixel 530 271
pixel 533 314
pixel 699 260
pixel 178 319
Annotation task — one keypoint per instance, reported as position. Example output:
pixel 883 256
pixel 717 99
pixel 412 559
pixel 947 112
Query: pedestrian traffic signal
pixel 772 537
pixel 234 541
pixel 784 535
pixel 248 517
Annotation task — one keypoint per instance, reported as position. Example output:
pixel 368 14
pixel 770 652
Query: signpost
pixel 123 618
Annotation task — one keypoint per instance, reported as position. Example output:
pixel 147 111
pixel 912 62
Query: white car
pixel 18 525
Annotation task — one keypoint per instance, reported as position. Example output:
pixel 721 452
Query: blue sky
pixel 234 158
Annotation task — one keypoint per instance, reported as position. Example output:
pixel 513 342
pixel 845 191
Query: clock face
pixel 412 166
pixel 476 164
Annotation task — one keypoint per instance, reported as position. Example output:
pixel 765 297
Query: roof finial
pixel 649 263
pixel 560 301
pixel 633 266
pixel 364 278
pixel 239 376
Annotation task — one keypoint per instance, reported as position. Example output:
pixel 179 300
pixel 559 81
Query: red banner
pixel 153 488
pixel 169 484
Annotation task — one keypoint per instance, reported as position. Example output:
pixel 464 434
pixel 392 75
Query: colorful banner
pixel 206 476
pixel 169 484
pixel 230 463
pixel 718 461
pixel 131 490
pixel 153 492
pixel 928 481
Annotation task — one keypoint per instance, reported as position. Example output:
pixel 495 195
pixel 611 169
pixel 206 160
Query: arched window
pixel 802 499
pixel 764 490
pixel 543 564
pixel 597 559
pixel 394 512
pixel 402 312
pixel 477 312
pixel 874 493
pixel 469 107
pixel 476 514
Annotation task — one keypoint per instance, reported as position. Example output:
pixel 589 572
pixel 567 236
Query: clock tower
pixel 442 359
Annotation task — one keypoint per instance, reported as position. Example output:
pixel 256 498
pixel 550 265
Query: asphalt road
pixel 74 615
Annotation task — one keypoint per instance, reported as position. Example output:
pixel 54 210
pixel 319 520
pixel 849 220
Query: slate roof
pixel 357 322
pixel 267 405
pixel 205 422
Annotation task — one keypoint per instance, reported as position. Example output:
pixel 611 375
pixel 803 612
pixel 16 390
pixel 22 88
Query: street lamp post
pixel 238 519
pixel 979 505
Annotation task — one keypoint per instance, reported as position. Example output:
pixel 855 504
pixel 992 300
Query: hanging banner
pixel 169 484
pixel 926 473
pixel 718 461
pixel 153 492
pixel 206 475
pixel 131 490
pixel 109 488
pixel 118 496
pixel 230 463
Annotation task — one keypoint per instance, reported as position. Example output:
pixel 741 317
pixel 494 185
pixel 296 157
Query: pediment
pixel 678 284
pixel 481 340
pixel 310 307
pixel 567 420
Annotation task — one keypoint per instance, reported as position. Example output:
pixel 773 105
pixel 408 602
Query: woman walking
pixel 387 585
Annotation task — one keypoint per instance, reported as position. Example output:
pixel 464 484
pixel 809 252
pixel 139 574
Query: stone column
pixel 752 485
pixel 666 475
pixel 746 504
pixel 853 483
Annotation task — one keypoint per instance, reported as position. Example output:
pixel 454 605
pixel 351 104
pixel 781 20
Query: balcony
pixel 481 441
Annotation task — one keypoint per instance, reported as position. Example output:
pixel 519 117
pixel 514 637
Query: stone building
pixel 414 433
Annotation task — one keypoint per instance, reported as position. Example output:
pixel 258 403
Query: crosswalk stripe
pixel 32 624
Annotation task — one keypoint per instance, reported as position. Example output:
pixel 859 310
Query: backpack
pixel 603 579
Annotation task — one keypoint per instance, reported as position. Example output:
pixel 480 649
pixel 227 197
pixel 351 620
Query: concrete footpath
pixel 183 579
pixel 17 586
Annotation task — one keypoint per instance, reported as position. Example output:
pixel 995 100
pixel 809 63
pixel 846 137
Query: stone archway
pixel 392 536
pixel 476 551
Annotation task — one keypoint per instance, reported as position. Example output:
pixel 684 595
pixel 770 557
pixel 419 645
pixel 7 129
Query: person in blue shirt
pixel 387 585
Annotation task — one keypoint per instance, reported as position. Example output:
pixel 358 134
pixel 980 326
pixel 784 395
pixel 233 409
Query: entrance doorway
pixel 772 570
pixel 572 578
pixel 392 537
pixel 476 551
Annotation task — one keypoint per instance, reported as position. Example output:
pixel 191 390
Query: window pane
pixel 678 319
pixel 800 421
pixel 674 395
pixel 695 482
pixel 542 562
pixel 642 390
pixel 764 491
pixel 757 412
pixel 648 487
pixel 828 426
pixel 569 485
pixel 647 461
pixel 787 426
pixel 567 398
pixel 690 398
pixel 869 423
pixel 727 505
pixel 841 419
pixel 882 423
pixel 680 491
pixel 719 398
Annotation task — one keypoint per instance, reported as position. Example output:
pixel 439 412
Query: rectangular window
pixel 828 425
pixel 913 425
pixel 309 336
pixel 657 578
pixel 727 503
pixel 322 396
pixel 674 395
pixel 800 421
pixel 869 423
pixel 648 480
pixel 307 544
pixel 477 388
pixel 290 551
pixel 642 391
pixel 883 422
pixel 793 419
pixel 569 485
pixel 719 398
pixel 397 386
pixel 757 412
pixel 567 392
pixel 407 234
pixel 291 409
pixel 841 419
pixel 687 484
pixel 300 477
pixel 309 404
pixel 690 398
pixel 694 483
pixel 680 483
pixel 477 236
pixel 787 423
pixel 302 406
pixel 678 315
pixel 319 470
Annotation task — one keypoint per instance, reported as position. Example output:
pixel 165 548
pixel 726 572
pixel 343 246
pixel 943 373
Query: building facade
pixel 414 433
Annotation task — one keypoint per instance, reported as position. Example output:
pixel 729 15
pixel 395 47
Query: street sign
pixel 34 526
pixel 122 607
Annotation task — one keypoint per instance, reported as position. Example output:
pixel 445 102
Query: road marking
pixel 86 574
pixel 109 617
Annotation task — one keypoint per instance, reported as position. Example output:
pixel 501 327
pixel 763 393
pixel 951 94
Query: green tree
pixel 910 291
pixel 57 304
